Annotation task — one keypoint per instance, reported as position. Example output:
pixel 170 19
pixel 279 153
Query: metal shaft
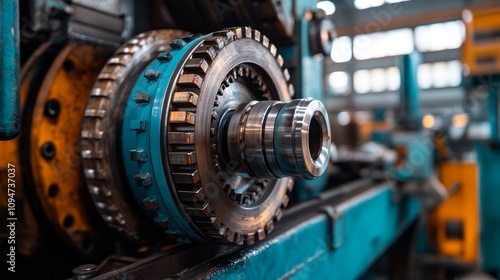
pixel 273 139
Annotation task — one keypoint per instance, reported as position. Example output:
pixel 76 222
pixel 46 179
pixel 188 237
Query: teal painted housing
pixel 308 80
pixel 489 194
pixel 141 132
pixel 409 92
pixel 10 111
pixel 364 227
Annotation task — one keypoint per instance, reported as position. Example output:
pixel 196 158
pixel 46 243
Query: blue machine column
pixel 10 111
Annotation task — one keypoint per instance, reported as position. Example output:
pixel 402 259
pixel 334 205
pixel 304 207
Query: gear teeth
pixel 94 113
pixel 186 178
pixel 239 238
pixel 182 158
pixel 256 35
pixel 285 200
pixel 191 195
pixel 278 215
pixel 286 74
pixel 206 52
pixel 95 134
pixel 185 99
pixel 190 81
pixel 227 34
pixel 291 90
pixel 197 66
pixel 121 60
pixel 280 60
pixel 130 49
pixel 229 234
pixel 273 49
pixel 250 238
pixel 269 227
pixel 181 137
pixel 261 234
pixel 217 42
pixel 201 211
pixel 96 174
pixel 265 41
pixel 182 117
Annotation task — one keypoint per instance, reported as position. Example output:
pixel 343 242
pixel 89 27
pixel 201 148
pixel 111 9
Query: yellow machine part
pixel 462 207
pixel 481 48
pixel 58 182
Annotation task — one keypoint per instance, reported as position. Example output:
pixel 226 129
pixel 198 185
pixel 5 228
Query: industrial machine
pixel 199 140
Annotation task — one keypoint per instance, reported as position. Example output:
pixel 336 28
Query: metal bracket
pixel 335 232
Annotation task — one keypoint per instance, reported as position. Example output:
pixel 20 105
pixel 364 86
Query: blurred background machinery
pixel 349 139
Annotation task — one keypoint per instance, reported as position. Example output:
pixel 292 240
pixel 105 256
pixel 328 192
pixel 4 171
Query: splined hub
pixel 210 138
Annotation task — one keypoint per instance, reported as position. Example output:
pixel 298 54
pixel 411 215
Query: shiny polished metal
pixel 275 139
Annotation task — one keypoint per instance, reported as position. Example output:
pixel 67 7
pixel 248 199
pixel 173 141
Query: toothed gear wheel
pixel 173 132
pixel 208 140
pixel 101 129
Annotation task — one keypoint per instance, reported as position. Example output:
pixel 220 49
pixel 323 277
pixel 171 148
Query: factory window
pixel 440 74
pixel 339 82
pixel 440 36
pixel 342 49
pixel 326 6
pixel 377 80
pixel 365 4
pixel 382 44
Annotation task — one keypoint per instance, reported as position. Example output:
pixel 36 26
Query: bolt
pixel 86 271
pixel 52 108
pixel 48 150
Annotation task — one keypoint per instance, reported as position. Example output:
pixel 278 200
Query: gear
pixel 187 156
pixel 101 124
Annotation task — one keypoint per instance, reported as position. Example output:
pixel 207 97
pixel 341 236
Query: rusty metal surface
pixel 53 147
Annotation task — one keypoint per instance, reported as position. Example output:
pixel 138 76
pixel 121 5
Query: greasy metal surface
pixel 53 147
pixel 101 127
pixel 10 111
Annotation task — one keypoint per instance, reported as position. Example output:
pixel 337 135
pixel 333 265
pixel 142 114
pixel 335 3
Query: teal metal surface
pixel 10 111
pixel 493 108
pixel 363 228
pixel 146 142
pixel 409 92
pixel 309 82
pixel 489 194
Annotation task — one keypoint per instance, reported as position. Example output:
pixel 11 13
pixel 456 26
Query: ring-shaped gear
pixel 171 123
pixel 101 127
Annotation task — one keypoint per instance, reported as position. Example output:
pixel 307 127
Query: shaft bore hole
pixel 315 138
